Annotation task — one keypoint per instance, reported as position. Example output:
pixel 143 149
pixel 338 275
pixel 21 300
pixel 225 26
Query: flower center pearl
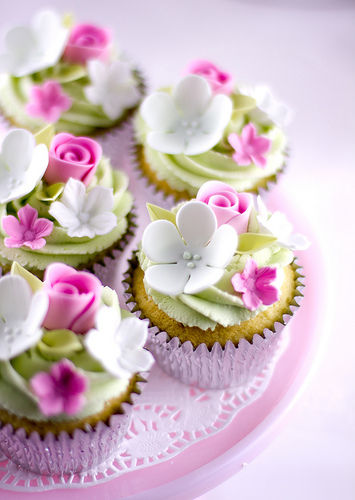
pixel 187 256
pixel 190 127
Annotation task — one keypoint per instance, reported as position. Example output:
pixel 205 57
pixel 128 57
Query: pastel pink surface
pixel 212 460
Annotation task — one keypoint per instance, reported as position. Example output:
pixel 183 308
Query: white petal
pixel 37 312
pixel 99 199
pixel 51 37
pixel 170 143
pixel 137 360
pixel 132 333
pixel 17 150
pixel 169 279
pixel 64 215
pixel 200 143
pixel 196 222
pixel 220 250
pixel 159 112
pixel 103 223
pixel 15 298
pixel 108 320
pixel 192 96
pixel 217 115
pixel 20 42
pixel 162 243
pixel 97 71
pixel 74 195
pixel 202 278
pixel 296 241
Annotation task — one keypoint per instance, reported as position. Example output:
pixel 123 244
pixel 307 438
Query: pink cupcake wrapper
pixel 219 367
pixel 67 453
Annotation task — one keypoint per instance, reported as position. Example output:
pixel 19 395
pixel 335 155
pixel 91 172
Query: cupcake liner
pixel 68 453
pixel 221 366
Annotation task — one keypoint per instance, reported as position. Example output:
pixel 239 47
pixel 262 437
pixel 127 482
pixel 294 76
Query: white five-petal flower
pixel 119 344
pixel 22 164
pixel 34 47
pixel 268 108
pixel 113 87
pixel 190 257
pixel 190 121
pixel 21 316
pixel 278 225
pixel 84 213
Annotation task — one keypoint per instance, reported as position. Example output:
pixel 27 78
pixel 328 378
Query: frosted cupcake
pixel 67 204
pixel 67 75
pixel 208 128
pixel 218 281
pixel 69 364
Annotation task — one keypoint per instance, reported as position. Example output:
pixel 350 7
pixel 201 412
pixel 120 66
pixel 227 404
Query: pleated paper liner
pixel 221 366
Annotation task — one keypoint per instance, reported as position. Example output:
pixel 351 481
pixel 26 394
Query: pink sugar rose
pixel 61 390
pixel 249 147
pixel 28 230
pixel 228 206
pixel 221 82
pixel 71 156
pixel 255 285
pixel 74 298
pixel 48 101
pixel 86 42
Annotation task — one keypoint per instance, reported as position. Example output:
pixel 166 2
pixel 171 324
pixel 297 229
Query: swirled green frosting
pixel 188 173
pixel 219 304
pixel 83 118
pixel 15 375
pixel 60 247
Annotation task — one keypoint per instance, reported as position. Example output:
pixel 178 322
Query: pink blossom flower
pixel 249 147
pixel 254 285
pixel 87 41
pixel 61 390
pixel 74 298
pixel 28 231
pixel 220 81
pixel 48 101
pixel 71 156
pixel 228 206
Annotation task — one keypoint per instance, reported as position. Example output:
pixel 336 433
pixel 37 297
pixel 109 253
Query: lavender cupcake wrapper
pixel 221 366
pixel 68 453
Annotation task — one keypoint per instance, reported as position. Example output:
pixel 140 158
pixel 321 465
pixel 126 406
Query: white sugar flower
pixel 119 344
pixel 22 164
pixel 268 108
pixel 21 316
pixel 34 47
pixel 278 225
pixel 190 257
pixel 84 213
pixel 113 87
pixel 191 121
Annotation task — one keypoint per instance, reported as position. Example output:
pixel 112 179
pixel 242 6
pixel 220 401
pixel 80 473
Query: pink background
pixel 305 51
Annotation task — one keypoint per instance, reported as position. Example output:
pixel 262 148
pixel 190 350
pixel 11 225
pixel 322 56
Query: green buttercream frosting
pixel 220 304
pixel 83 118
pixel 59 246
pixel 188 173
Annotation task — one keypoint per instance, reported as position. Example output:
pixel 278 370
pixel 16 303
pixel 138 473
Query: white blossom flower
pixel 268 108
pixel 279 226
pixel 36 46
pixel 113 87
pixel 190 257
pixel 21 316
pixel 119 344
pixel 191 121
pixel 22 164
pixel 84 213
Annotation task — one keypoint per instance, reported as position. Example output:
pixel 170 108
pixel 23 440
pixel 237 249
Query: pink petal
pixel 86 42
pixel 268 294
pixel 241 158
pixel 35 244
pixel 258 160
pixel 238 283
pixel 43 227
pixel 74 404
pixel 42 384
pixel 51 405
pixel 248 133
pixel 13 243
pixel 251 300
pixel 12 227
pixel 261 145
pixel 27 216
pixel 235 141
pixel 210 188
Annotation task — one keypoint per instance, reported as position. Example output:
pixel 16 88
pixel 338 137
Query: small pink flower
pixel 228 206
pixel 61 390
pixel 87 41
pixel 254 285
pixel 249 147
pixel 48 101
pixel 28 231
pixel 71 156
pixel 74 298
pixel 221 82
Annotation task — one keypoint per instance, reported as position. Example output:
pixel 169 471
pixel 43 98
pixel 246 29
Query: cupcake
pixel 69 364
pixel 217 279
pixel 208 128
pixel 67 204
pixel 54 71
